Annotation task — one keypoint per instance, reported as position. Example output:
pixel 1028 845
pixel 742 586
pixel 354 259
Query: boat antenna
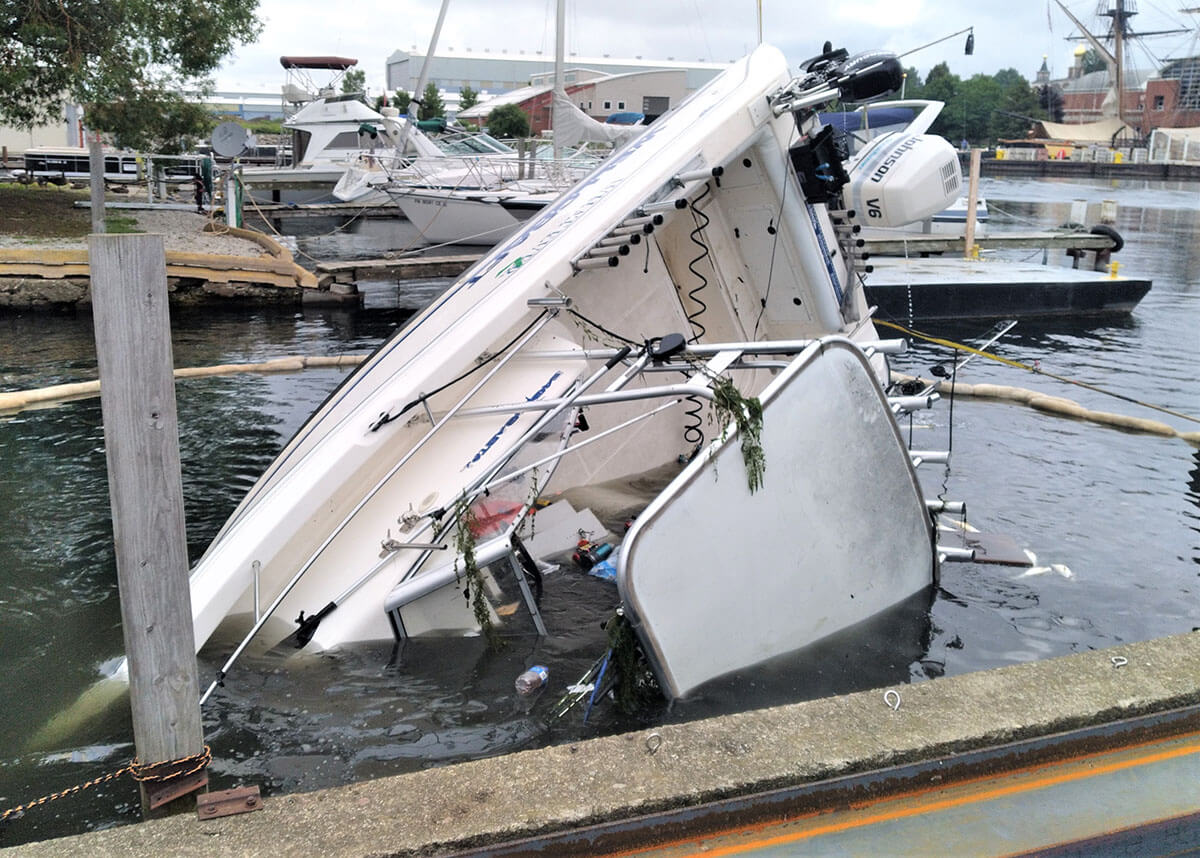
pixel 968 48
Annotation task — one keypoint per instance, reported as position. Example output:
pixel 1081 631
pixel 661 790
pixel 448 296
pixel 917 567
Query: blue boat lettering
pixel 511 420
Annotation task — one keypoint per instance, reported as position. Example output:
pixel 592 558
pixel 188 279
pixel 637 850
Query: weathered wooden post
pixel 972 201
pixel 96 167
pixel 137 397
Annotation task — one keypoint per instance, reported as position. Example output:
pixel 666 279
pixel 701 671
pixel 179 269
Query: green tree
pixel 943 86
pixel 127 61
pixel 400 100
pixel 467 97
pixel 431 103
pixel 1093 61
pixel 1019 106
pixel 354 80
pixel 508 120
pixel 971 112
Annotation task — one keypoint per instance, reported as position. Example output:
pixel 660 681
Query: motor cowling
pixel 899 178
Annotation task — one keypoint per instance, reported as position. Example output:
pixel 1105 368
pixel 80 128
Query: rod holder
pixel 549 301
pixel 951 507
pixel 617 250
pixel 700 175
pixel 652 219
pixel 934 457
pixel 906 404
pixel 609 241
pixel 960 555
pixel 600 262
pixel 676 204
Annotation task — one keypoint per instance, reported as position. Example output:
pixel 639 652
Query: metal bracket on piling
pixel 228 802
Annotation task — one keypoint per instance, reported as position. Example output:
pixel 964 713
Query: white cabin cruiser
pixel 705 270
pixel 329 131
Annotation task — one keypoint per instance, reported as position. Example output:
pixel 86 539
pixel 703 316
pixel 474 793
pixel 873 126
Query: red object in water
pixel 492 516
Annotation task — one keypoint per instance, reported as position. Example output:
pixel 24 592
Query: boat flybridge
pixel 706 275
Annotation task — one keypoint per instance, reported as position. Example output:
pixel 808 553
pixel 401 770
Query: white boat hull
pixel 836 535
pixel 333 526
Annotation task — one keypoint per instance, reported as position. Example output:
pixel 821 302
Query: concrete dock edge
pixel 618 777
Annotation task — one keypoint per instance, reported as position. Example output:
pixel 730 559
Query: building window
pixel 608 105
pixel 1158 102
pixel 620 105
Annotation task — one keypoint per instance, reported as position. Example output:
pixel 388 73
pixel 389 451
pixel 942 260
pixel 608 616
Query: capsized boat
pixel 706 275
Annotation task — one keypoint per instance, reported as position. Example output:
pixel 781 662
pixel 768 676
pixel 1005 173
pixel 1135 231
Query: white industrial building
pixel 490 73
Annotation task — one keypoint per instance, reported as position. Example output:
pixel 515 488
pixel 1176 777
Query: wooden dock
pixel 58 278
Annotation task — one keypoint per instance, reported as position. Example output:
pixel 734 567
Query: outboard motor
pixel 900 177
pixel 869 76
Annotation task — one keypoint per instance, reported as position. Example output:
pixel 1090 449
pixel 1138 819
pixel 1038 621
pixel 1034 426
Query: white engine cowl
pixel 899 178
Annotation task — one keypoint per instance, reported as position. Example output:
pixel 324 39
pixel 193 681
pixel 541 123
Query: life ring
pixel 1117 241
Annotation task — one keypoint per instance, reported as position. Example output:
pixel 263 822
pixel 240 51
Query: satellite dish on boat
pixel 230 139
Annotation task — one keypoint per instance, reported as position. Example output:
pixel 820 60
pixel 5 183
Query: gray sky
pixel 1008 33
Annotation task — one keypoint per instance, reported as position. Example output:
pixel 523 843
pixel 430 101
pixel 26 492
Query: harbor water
pixel 1112 517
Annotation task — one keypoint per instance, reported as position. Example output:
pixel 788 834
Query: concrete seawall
pixel 680 765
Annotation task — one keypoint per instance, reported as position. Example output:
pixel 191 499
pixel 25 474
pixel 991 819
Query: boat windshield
pixel 472 144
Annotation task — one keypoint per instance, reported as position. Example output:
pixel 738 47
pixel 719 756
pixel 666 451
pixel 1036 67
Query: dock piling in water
pixel 141 438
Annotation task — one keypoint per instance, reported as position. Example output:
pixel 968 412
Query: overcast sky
pixel 1008 33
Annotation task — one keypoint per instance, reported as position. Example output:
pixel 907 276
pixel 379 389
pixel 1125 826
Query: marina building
pixel 490 73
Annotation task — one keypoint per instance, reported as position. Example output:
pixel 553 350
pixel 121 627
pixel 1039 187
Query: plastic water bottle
pixel 532 679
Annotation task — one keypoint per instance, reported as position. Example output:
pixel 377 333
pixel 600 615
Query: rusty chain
pixel 141 772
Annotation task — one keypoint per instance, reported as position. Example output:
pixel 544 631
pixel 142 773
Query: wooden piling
pixel 96 165
pixel 972 201
pixel 133 347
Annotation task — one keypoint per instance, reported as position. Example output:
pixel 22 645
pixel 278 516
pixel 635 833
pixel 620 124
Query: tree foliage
pixel 1093 61
pixel 354 80
pixel 983 108
pixel 508 120
pixel 467 97
pixel 431 103
pixel 127 61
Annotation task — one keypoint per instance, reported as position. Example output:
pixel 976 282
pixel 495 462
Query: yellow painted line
pixel 931 807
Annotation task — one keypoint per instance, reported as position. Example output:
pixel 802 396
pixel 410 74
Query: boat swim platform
pixel 996 746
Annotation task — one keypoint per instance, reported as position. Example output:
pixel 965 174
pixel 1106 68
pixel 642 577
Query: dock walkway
pixel 619 792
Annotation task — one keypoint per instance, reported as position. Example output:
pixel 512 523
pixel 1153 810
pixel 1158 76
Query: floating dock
pixel 956 288
pixel 984 760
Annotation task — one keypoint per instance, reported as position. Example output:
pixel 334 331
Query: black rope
pixel 602 329
pixel 386 417
pixel 696 236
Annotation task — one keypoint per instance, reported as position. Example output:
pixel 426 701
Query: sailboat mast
pixel 560 25
pixel 422 80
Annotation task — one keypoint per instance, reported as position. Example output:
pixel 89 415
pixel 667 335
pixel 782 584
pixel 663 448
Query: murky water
pixel 1120 512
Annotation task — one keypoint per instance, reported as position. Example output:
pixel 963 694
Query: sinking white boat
pixel 697 273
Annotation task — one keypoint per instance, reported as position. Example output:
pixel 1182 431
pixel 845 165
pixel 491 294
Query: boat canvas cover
pixel 1105 131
